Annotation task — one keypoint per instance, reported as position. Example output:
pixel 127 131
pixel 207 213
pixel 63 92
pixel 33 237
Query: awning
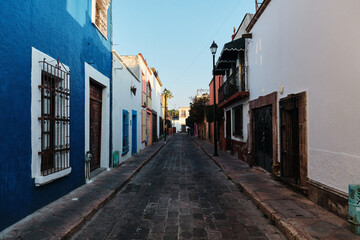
pixel 229 54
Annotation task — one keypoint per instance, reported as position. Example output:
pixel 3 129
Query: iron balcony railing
pixel 234 84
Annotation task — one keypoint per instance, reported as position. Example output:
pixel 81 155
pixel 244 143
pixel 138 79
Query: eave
pixel 257 15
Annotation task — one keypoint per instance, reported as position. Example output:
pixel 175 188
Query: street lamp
pixel 165 93
pixel 213 49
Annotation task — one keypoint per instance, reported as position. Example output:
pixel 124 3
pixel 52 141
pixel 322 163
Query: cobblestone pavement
pixel 180 194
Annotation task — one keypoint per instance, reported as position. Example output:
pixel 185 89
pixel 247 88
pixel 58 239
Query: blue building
pixel 55 69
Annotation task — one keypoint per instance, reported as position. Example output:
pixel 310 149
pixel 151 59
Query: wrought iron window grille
pixel 55 117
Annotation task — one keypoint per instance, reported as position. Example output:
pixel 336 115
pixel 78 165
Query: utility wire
pixel 209 43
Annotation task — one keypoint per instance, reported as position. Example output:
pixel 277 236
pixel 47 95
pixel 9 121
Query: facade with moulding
pixel 150 95
pixel 303 93
pixel 126 110
pixel 231 72
pixel 51 88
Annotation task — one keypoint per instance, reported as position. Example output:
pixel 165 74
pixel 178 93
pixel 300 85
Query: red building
pixel 219 80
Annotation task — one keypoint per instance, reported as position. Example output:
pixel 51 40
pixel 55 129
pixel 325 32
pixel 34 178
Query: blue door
pixel 134 133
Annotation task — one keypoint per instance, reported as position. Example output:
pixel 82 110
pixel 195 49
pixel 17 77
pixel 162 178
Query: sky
pixel 175 36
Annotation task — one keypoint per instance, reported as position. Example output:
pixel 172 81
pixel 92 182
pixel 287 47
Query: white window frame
pixel 105 4
pixel 233 121
pixel 36 69
pixel 102 80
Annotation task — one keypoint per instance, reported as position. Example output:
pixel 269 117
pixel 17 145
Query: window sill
pixel 42 180
pixel 238 136
pixel 124 152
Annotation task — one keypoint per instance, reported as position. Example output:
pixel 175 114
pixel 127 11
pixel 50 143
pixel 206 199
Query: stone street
pixel 180 194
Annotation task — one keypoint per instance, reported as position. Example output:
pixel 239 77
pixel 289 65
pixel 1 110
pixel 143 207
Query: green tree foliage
pixel 197 111
pixel 190 122
pixel 209 113
pixel 168 123
pixel 168 94
pixel 173 113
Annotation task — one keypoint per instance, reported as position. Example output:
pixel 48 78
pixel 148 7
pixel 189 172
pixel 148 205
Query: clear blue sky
pixel 175 37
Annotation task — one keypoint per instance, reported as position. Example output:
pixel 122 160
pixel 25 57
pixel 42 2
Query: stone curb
pixel 87 214
pixel 278 220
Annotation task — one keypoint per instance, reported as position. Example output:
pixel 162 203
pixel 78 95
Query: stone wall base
pixel 328 198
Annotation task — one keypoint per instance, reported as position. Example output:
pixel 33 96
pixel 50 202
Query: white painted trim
pixel 246 120
pixel 106 5
pixel 98 77
pixel 36 65
pixel 93 4
pixel 42 180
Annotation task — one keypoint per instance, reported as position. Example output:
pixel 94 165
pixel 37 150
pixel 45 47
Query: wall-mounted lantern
pixel 281 90
pixel 133 89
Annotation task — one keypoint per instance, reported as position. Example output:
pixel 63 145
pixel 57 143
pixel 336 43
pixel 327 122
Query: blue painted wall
pixel 61 29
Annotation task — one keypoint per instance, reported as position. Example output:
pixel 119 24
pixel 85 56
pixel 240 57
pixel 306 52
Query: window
pixel 55 119
pixel 238 121
pixel 143 91
pixel 99 15
pixel 148 90
pixel 183 113
pixel 125 134
pixel 50 118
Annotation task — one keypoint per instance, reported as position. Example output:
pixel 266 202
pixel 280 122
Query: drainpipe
pixel 111 160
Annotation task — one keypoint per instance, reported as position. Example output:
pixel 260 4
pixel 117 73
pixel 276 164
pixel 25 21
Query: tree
pixel 168 94
pixel 190 122
pixel 168 123
pixel 209 113
pixel 173 113
pixel 197 110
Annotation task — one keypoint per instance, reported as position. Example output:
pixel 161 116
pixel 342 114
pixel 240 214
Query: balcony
pixel 146 101
pixel 234 86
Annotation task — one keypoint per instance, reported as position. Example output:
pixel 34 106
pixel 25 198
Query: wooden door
pixel 263 137
pixel 154 127
pixel 148 129
pixel 228 124
pixel 95 124
pixel 293 152
pixel 228 130
pixel 161 126
pixel 134 133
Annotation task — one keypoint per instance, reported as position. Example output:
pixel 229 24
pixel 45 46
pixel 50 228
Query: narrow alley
pixel 180 194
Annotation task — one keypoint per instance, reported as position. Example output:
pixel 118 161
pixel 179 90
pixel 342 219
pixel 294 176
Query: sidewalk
pixel 61 218
pixel 295 215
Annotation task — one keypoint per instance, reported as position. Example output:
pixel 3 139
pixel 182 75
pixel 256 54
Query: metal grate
pixel 55 118
pixel 238 121
pixel 233 84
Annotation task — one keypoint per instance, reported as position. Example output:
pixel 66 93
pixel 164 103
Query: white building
pixel 183 115
pixel 304 94
pixel 126 110
pixel 233 94
pixel 176 124
pixel 150 95
pixel 156 105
